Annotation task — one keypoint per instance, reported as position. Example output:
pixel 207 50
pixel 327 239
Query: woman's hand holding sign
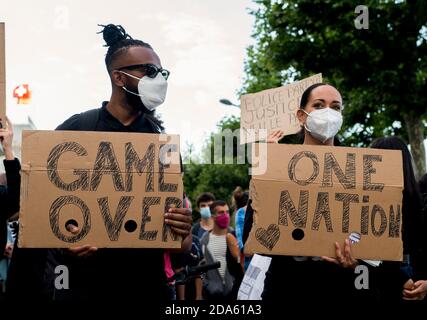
pixel 275 136
pixel 343 258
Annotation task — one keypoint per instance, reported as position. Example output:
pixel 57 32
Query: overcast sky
pixel 53 46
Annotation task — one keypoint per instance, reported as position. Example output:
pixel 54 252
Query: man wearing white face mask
pixel 151 88
pixel 139 85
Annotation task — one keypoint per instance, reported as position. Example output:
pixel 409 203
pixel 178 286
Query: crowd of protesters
pixel 219 234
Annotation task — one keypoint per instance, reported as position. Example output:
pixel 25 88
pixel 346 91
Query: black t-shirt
pixel 105 121
pixel 113 274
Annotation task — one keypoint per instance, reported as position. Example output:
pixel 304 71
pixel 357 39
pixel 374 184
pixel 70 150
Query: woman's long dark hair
pixel 412 219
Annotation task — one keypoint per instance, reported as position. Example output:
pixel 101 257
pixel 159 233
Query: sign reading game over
pixel 312 196
pixel 115 186
pixel 272 109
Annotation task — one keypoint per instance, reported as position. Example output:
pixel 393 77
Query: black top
pixel 106 122
pixel 9 198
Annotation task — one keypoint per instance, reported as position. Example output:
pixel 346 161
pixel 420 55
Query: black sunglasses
pixel 150 70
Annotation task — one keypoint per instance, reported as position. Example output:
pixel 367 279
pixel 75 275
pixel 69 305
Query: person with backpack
pixel 205 223
pixel 221 245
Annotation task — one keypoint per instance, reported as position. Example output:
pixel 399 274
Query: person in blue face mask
pixel 206 222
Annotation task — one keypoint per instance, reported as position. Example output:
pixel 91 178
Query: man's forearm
pixel 185 244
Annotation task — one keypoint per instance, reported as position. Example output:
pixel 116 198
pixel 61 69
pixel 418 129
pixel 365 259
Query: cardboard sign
pixel 115 186
pixel 2 76
pixel 272 109
pixel 312 196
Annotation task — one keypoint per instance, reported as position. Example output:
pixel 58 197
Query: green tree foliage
pixel 221 178
pixel 381 71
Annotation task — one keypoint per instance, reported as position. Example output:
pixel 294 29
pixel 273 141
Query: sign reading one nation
pixel 312 196
pixel 115 186
pixel 272 109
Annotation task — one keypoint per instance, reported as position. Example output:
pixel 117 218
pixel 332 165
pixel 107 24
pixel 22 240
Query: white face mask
pixel 323 124
pixel 152 91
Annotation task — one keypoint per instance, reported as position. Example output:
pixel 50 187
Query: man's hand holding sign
pixel 179 219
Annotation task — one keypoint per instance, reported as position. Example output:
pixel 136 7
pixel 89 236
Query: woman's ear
pixel 302 116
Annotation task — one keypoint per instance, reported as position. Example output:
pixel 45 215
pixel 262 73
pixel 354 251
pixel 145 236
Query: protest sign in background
pixel 272 109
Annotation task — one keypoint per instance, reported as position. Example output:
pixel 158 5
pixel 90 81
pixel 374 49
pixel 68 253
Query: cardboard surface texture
pixel 312 196
pixel 115 186
pixel 272 109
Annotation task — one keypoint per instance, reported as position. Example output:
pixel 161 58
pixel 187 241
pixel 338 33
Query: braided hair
pixel 118 42
pixel 412 219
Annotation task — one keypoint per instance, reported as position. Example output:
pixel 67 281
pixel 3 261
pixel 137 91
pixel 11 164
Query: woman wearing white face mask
pixel 314 279
pixel 320 114
pixel 321 118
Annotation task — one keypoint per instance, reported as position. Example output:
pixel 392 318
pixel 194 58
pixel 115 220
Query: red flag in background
pixel 22 93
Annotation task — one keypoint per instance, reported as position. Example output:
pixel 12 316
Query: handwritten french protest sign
pixel 312 196
pixel 115 186
pixel 272 109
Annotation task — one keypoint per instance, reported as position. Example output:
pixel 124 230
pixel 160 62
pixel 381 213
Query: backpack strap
pixel 88 120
